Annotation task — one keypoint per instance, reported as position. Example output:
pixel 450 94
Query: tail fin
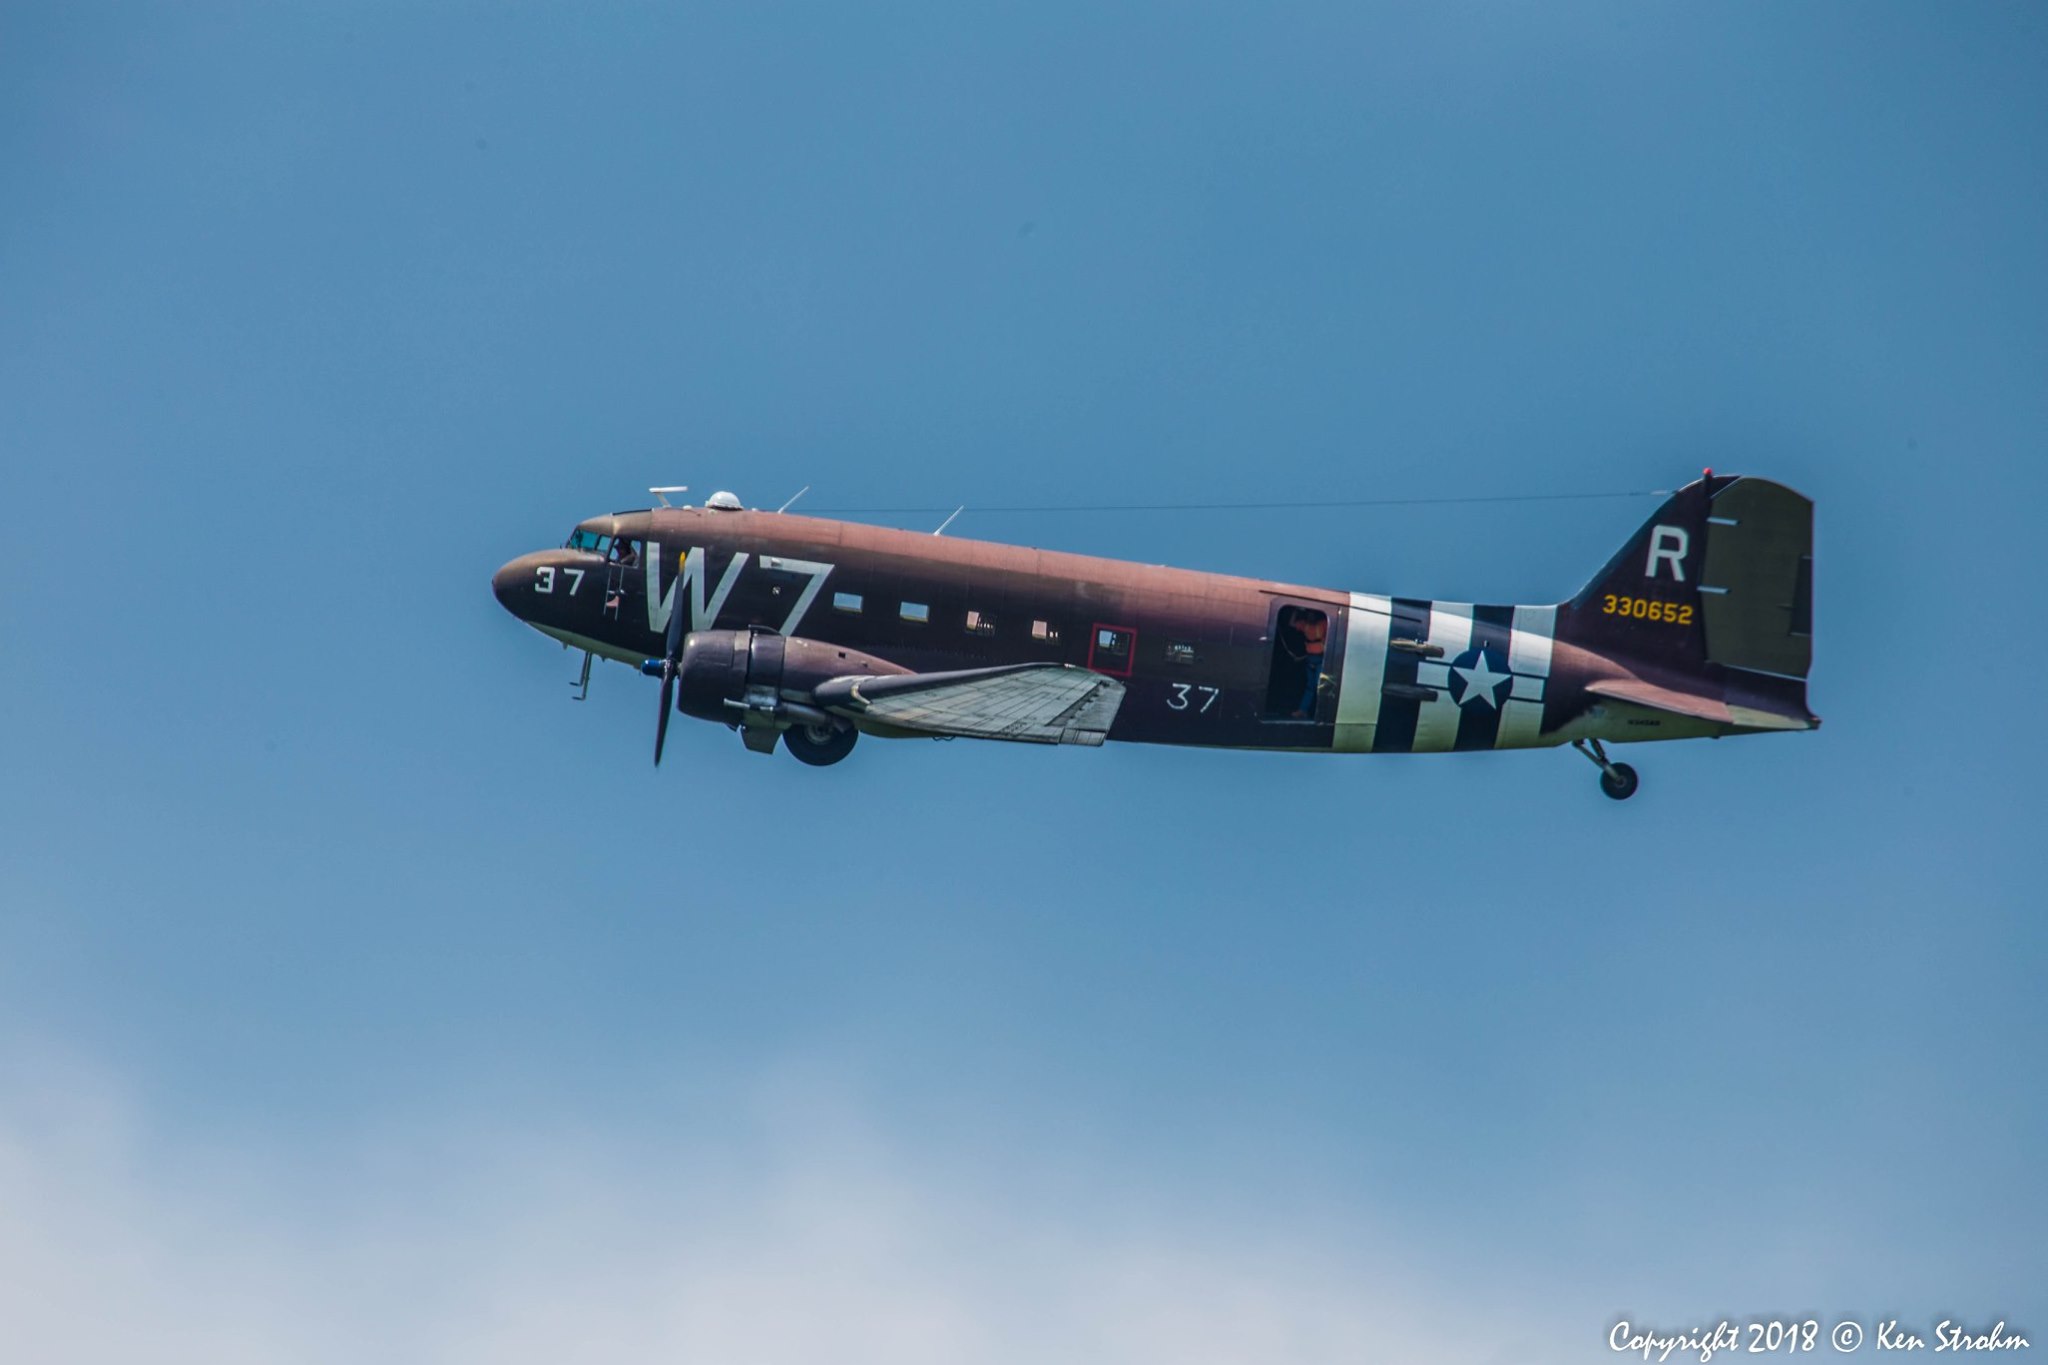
pixel 1721 578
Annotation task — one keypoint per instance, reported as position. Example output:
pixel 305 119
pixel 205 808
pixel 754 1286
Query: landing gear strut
pixel 819 745
pixel 1618 780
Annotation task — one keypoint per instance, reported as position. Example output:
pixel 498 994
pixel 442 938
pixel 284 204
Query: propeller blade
pixel 670 666
pixel 675 626
pixel 668 698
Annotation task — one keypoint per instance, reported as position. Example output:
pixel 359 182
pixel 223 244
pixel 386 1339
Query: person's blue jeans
pixel 1314 681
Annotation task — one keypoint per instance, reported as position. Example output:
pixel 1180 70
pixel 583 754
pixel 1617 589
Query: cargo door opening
pixel 1294 684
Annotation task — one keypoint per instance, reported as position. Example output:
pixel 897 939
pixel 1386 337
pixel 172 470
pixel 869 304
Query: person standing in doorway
pixel 1315 629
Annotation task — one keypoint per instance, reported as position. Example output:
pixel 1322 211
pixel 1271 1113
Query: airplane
pixel 810 633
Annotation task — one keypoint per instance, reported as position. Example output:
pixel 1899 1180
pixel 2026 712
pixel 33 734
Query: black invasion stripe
pixel 1479 724
pixel 1396 731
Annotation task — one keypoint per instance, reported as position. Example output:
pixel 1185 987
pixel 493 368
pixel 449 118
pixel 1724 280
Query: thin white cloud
pixel 834 1245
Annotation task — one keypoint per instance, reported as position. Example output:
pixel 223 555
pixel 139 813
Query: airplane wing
pixel 1031 703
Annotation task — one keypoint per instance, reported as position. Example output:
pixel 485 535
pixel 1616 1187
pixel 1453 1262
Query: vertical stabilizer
pixel 1717 585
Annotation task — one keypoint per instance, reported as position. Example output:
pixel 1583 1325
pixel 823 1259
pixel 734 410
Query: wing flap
pixel 1024 703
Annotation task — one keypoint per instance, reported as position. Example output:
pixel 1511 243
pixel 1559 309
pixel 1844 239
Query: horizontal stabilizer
pixel 1696 707
pixel 1028 703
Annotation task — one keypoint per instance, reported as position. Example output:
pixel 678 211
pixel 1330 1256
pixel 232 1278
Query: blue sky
pixel 361 994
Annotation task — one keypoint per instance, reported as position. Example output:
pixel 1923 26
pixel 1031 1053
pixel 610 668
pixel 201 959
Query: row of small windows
pixel 1111 641
pixel 919 613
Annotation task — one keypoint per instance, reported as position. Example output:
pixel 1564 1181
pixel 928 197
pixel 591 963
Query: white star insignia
pixel 1481 681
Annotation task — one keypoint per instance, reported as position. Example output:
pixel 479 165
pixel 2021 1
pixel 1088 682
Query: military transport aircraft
pixel 814 632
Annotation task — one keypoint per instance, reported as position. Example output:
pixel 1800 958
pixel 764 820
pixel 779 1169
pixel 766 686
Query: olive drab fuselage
pixel 1203 658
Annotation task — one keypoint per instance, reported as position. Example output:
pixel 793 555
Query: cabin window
pixel 980 623
pixel 846 601
pixel 1110 649
pixel 1046 631
pixel 1179 652
pixel 920 612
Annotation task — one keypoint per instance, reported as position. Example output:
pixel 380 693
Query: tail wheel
pixel 1619 781
pixel 819 745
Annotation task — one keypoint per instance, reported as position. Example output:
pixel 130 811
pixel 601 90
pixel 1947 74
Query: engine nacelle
pixel 757 677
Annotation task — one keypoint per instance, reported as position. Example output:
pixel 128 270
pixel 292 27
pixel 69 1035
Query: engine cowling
pixel 756 677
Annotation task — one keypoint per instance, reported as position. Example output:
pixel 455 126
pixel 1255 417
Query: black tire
pixel 819 745
pixel 1621 782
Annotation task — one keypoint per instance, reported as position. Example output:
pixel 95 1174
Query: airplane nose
pixel 509 583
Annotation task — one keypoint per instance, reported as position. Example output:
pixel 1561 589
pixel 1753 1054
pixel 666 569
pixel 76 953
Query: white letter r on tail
pixel 1668 543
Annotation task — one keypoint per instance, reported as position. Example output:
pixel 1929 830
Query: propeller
pixel 671 664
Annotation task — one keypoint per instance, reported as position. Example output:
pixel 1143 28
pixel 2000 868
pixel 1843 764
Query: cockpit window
pixel 590 540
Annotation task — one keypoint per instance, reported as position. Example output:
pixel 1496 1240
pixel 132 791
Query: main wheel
pixel 819 745
pixel 1620 782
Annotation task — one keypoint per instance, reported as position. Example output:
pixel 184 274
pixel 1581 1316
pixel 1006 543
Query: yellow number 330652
pixel 1647 609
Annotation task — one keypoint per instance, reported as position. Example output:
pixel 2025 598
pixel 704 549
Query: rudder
pixel 1756 585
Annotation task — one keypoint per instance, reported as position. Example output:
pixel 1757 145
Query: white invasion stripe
pixel 1450 625
pixel 1436 722
pixel 1521 723
pixel 1529 645
pixel 1433 674
pixel 1364 672
pixel 1528 689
